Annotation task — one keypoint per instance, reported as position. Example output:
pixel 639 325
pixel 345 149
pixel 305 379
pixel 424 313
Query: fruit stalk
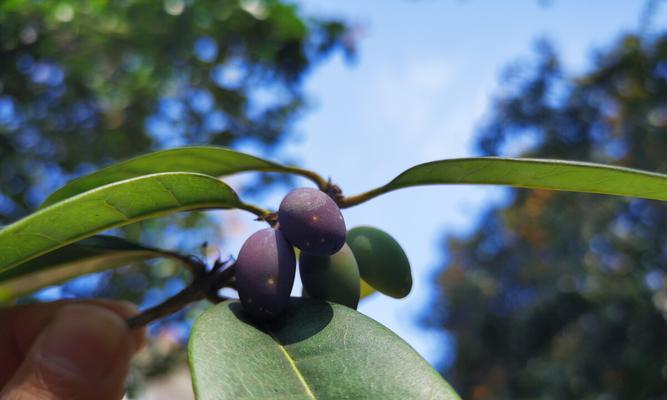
pixel 351 201
pixel 321 183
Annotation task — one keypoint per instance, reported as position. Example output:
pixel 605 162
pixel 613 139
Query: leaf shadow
pixel 303 319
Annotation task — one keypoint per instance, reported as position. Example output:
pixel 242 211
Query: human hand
pixel 66 350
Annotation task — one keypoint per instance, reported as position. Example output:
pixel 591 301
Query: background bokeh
pixel 518 293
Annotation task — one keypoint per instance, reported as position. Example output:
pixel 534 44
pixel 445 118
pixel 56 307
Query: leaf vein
pixel 292 363
pixel 173 196
pixel 42 235
pixel 118 210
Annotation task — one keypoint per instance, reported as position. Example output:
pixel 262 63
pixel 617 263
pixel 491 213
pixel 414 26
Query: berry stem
pixel 321 183
pixel 261 213
pixel 351 201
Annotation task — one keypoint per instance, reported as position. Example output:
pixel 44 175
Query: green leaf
pixel 530 173
pixel 316 350
pixel 214 161
pixel 94 254
pixel 107 207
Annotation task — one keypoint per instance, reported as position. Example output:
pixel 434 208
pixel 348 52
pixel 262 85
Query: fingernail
pixel 129 309
pixel 139 333
pixel 125 310
pixel 85 340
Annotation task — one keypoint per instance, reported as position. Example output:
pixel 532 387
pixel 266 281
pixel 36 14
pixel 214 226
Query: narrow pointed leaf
pixel 107 207
pixel 94 254
pixel 316 350
pixel 532 173
pixel 209 160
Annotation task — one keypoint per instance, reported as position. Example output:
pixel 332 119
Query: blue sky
pixel 425 79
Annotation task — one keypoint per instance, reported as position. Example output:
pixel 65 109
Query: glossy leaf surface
pixel 209 160
pixel 316 350
pixel 107 207
pixel 532 173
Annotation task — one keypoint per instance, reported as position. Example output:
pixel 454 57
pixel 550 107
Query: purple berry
pixel 265 272
pixel 312 221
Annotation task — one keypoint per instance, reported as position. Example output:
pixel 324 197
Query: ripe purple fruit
pixel 265 272
pixel 312 222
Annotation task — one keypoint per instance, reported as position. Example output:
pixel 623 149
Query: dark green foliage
pixel 382 262
pixel 83 84
pixel 333 278
pixel 93 254
pixel 560 295
pixel 120 78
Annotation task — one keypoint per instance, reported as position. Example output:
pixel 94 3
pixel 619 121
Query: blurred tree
pixel 560 295
pixel 84 83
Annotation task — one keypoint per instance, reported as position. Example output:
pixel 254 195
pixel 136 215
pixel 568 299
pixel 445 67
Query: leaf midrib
pixel 292 363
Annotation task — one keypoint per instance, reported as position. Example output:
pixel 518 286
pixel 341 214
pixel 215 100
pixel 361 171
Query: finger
pixel 29 320
pixel 83 353
pixel 22 325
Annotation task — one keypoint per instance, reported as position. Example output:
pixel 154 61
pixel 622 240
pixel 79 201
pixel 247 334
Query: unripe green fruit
pixel 333 278
pixel 382 262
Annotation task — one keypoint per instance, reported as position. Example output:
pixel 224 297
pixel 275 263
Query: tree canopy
pixel 561 295
pixel 86 83
pixel 83 84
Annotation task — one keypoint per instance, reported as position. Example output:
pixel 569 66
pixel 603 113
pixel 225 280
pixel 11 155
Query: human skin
pixel 67 350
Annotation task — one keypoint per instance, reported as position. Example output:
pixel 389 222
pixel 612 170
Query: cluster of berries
pixel 332 261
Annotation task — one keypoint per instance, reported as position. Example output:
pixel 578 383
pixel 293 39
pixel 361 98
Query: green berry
pixel 381 260
pixel 333 278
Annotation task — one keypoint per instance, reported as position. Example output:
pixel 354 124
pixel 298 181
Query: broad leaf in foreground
pixel 316 350
pixel 94 254
pixel 209 160
pixel 531 173
pixel 107 207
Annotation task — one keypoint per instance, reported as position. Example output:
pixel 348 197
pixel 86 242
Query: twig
pixel 196 266
pixel 173 304
pixel 202 287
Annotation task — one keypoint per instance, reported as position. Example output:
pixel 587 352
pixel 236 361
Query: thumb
pixel 84 353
